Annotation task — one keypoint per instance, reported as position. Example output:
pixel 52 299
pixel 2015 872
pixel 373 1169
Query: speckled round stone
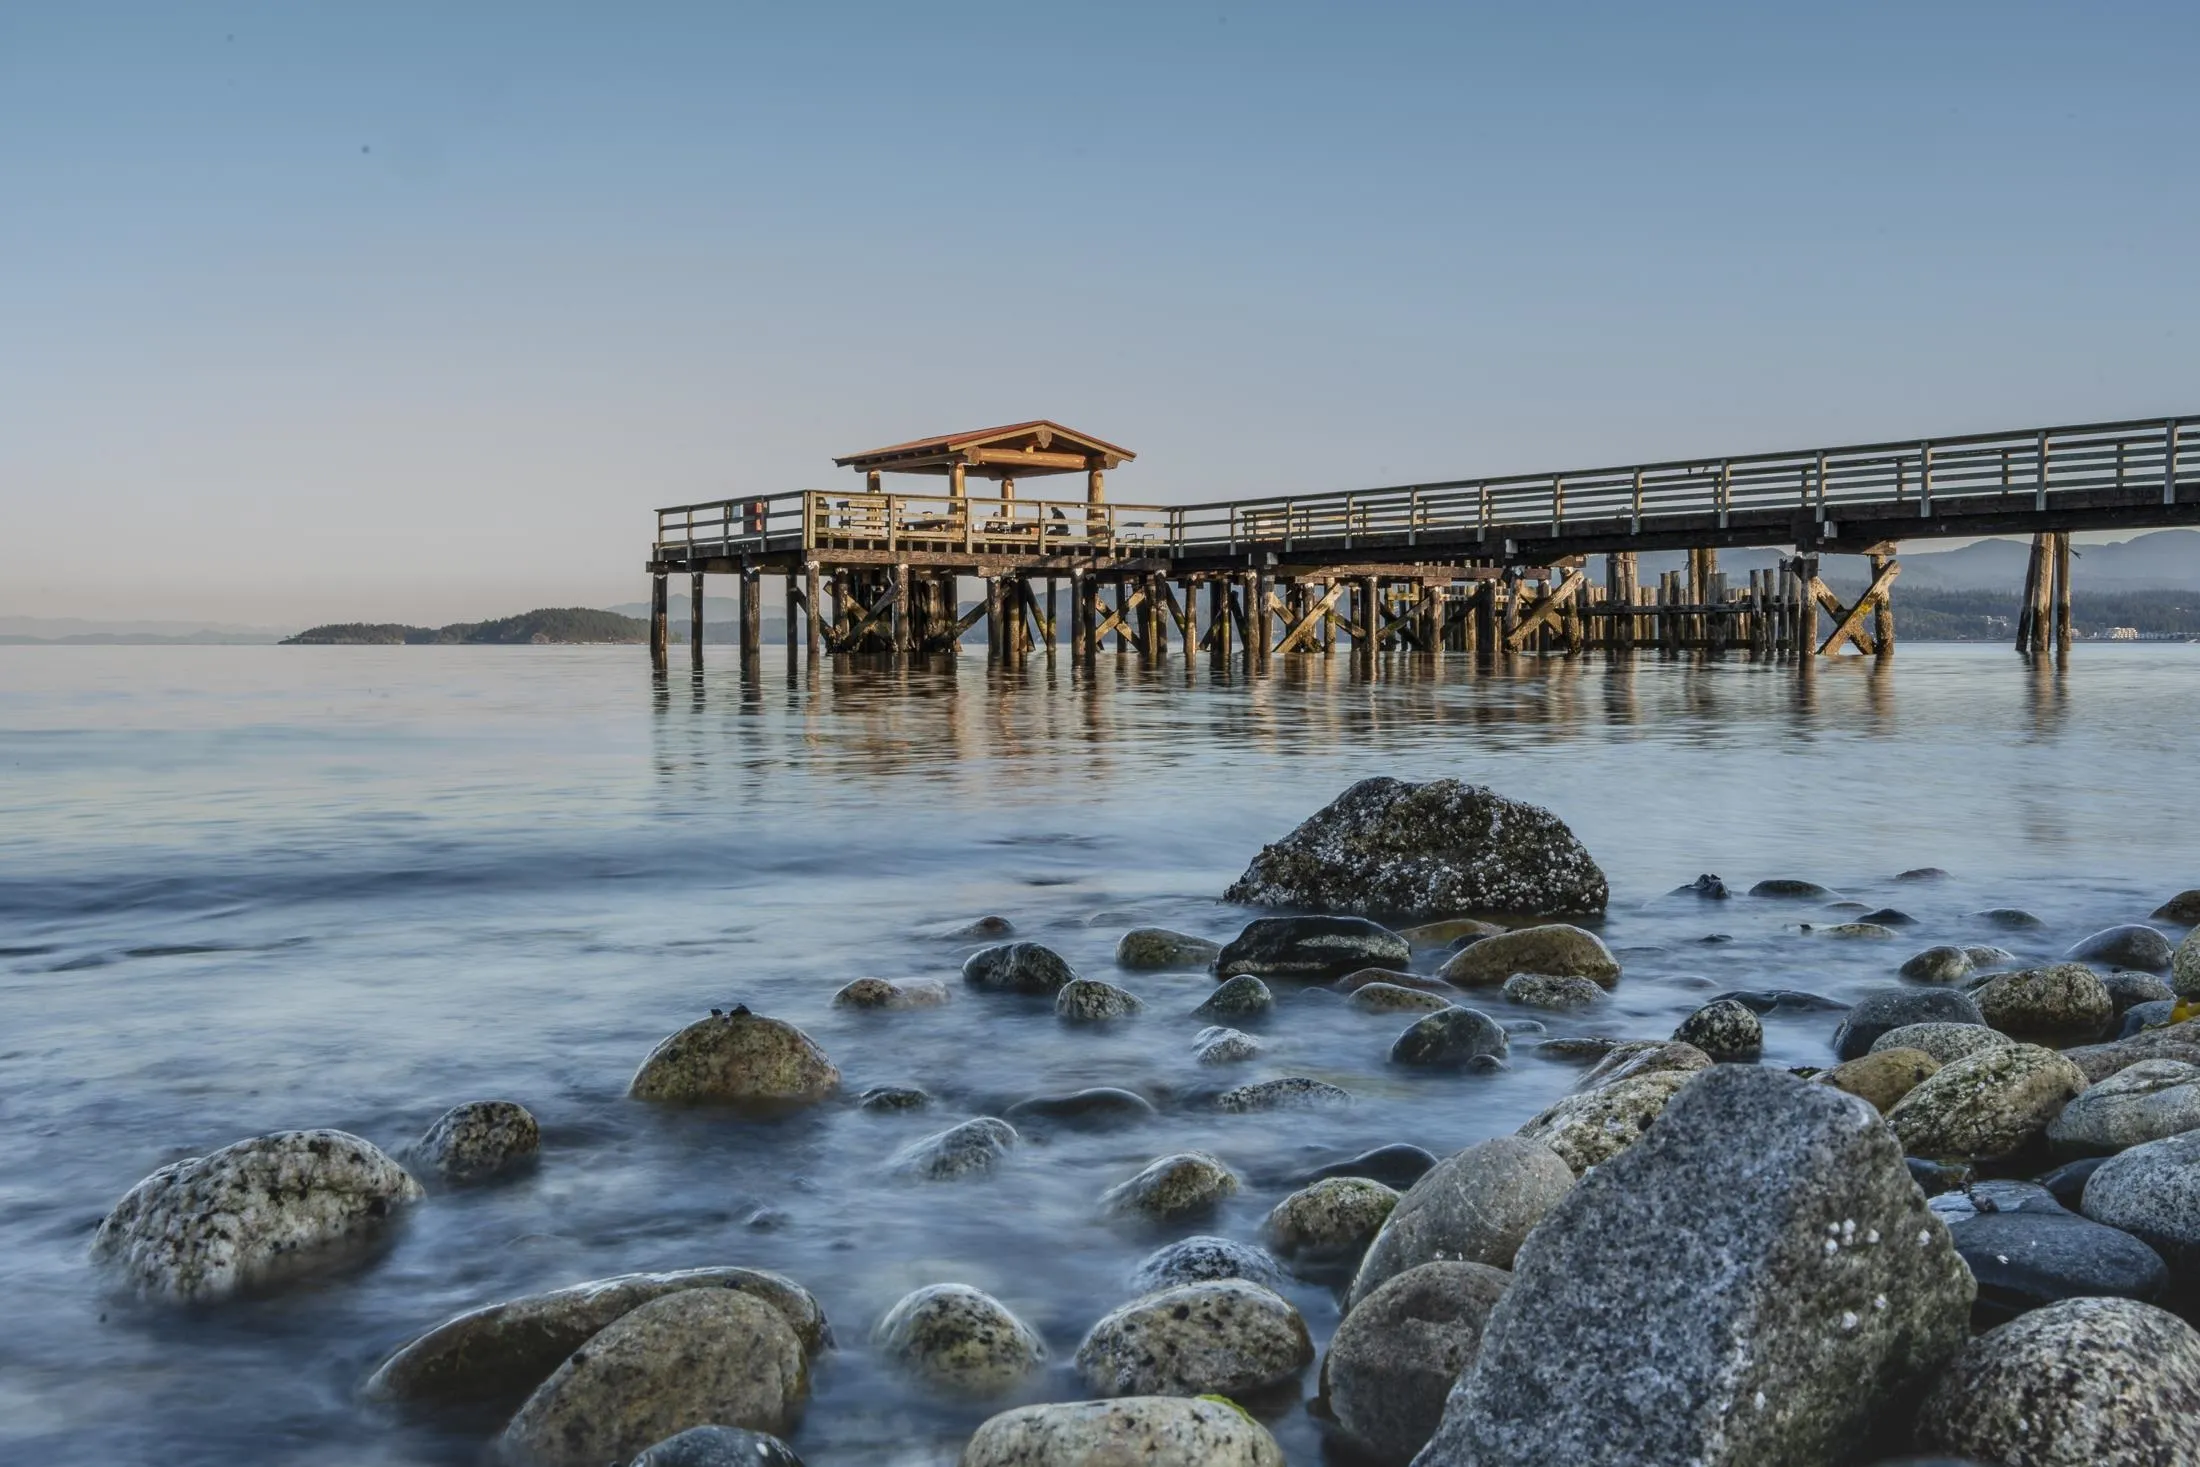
pixel 1187 1184
pixel 733 1058
pixel 1221 1338
pixel 1241 997
pixel 1328 1223
pixel 1292 1092
pixel 475 1141
pixel 959 1339
pixel 1724 1030
pixel 1089 1001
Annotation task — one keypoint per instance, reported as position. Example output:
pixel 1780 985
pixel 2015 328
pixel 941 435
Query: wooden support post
pixel 1053 627
pixel 1371 618
pixel 752 619
pixel 695 620
pixel 996 645
pixel 2062 593
pixel 660 633
pixel 1218 621
pixel 814 629
pixel 1259 622
pixel 1883 607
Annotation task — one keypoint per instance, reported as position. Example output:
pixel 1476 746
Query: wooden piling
pixel 752 619
pixel 1882 610
pixel 2062 593
pixel 695 620
pixel 660 633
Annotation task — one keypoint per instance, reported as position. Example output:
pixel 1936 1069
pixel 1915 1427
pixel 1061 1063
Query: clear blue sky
pixel 316 311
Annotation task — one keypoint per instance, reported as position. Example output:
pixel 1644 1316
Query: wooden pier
pixel 1493 566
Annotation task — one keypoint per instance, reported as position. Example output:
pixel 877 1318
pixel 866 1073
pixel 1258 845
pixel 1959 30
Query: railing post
pixel 893 537
pixel 1636 527
pixel 1232 529
pixel 2169 462
pixel 1821 478
pixel 2039 482
pixel 1413 517
pixel 1349 501
pixel 1925 481
pixel 1726 489
pixel 1290 521
pixel 1558 503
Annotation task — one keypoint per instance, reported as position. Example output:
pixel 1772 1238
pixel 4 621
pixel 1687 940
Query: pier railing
pixel 949 524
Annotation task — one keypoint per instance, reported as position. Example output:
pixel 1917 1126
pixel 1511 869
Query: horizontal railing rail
pixel 976 524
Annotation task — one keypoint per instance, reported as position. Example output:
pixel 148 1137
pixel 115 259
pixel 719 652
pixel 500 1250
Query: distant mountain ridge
pixel 568 625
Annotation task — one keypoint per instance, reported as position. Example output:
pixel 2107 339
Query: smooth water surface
pixel 251 889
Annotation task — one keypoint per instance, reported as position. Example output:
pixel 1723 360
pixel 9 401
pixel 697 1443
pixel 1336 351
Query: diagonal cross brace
pixel 1312 620
pixel 1849 620
pixel 1546 609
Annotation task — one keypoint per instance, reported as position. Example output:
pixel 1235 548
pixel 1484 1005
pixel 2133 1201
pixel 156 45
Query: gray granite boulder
pixel 1892 1008
pixel 1942 964
pixel 1475 1206
pixel 1756 1281
pixel 1203 1259
pixel 1225 1338
pixel 1725 1030
pixel 1451 1038
pixel 1328 1224
pixel 1426 851
pixel 1987 1105
pixel 2082 1383
pixel 1592 1126
pixel 699 1357
pixel 475 1141
pixel 496 1355
pixel 1018 967
pixel 1395 1357
pixel 1156 949
pixel 1882 1077
pixel 736 1058
pixel 718 1446
pixel 1188 1184
pixel 1242 997
pixel 970 1149
pixel 1944 1042
pixel 1632 1057
pixel 959 1339
pixel 2144 1102
pixel 1311 947
pixel 1555 948
pixel 1091 1001
pixel 250 1214
pixel 2178 1040
pixel 2133 945
pixel 2184 966
pixel 2153 1193
pixel 2027 1257
pixel 1291 1092
pixel 2127 990
pixel 1546 991
pixel 2063 1004
pixel 884 994
pixel 1150 1431
pixel 1217 1045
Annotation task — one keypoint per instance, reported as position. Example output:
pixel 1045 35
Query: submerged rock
pixel 1643 1057
pixel 2015 919
pixel 1188 1184
pixel 2152 1192
pixel 475 1141
pixel 1544 991
pixel 1156 949
pixel 2064 1003
pixel 1475 1206
pixel 1099 1107
pixel 2144 1102
pixel 1311 947
pixel 987 927
pixel 1892 1008
pixel 1292 1092
pixel 1943 964
pixel 1394 1358
pixel 959 1339
pixel 1555 949
pixel 2133 945
pixel 1216 1045
pixel 1987 1105
pixel 1431 936
pixel 1328 1223
pixel 496 1355
pixel 718 1446
pixel 2183 909
pixel 1451 1038
pixel 1763 1243
pixel 1397 1165
pixel 1241 997
pixel 1202 1259
pixel 698 1357
pixel 1889 917
pixel 1353 982
pixel 208 1226
pixel 885 1098
pixel 734 1058
pixel 1944 1042
pixel 880 993
pixel 1789 889
pixel 1882 1077
pixel 1226 1337
pixel 1707 886
pixel 1018 967
pixel 1724 1030
pixel 2082 1383
pixel 1591 1127
pixel 1389 998
pixel 1090 1001
pixel 974 1147
pixel 2027 1257
pixel 1426 850
pixel 1151 1431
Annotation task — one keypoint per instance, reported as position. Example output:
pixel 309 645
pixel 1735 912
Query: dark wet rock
pixel 1643 1057
pixel 1450 1039
pixel 1389 998
pixel 1576 1049
pixel 1882 1077
pixel 1202 1259
pixel 1788 889
pixel 893 1098
pixel 1151 1431
pixel 1706 886
pixel 988 928
pixel 1431 936
pixel 1018 967
pixel 959 1339
pixel 2015 919
pixel 2133 945
pixel 1218 1045
pixel 1590 1127
pixel 1242 997
pixel 1724 1030
pixel 2177 1041
pixel 2127 989
pixel 1100 1107
pixel 1986 1105
pixel 2141 1103
pixel 2066 1183
pixel 2082 1383
pixel 2024 1258
pixel 1353 982
pixel 1292 1092
pixel 2182 909
pixel 1853 931
pixel 1156 949
pixel 1311 947
pixel 1982 956
pixel 1188 1184
pixel 1090 1001
pixel 475 1141
pixel 2140 1017
pixel 249 1214
pixel 1997 1194
pixel 1225 1337
pixel 718 1446
pixel 1891 1008
pixel 694 1358
pixel 1889 917
pixel 1394 1358
pixel 1847 905
pixel 1396 1165
pixel 1329 1223
pixel 736 1058
pixel 972 1148
pixel 1778 1000
pixel 2066 1003
pixel 1548 991
pixel 497 1355
pixel 1426 851
pixel 1526 1028
pixel 1944 1042
pixel 1554 948
pixel 1476 1206
pixel 1837 1294
pixel 1934 1177
pixel 1943 964
pixel 881 993
pixel 2153 1192
pixel 1922 873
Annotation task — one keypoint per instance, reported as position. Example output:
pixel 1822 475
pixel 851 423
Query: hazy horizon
pixel 415 313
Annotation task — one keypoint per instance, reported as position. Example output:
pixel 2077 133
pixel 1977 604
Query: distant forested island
pixel 562 624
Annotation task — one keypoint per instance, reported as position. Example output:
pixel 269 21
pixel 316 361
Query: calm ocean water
pixel 248 889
